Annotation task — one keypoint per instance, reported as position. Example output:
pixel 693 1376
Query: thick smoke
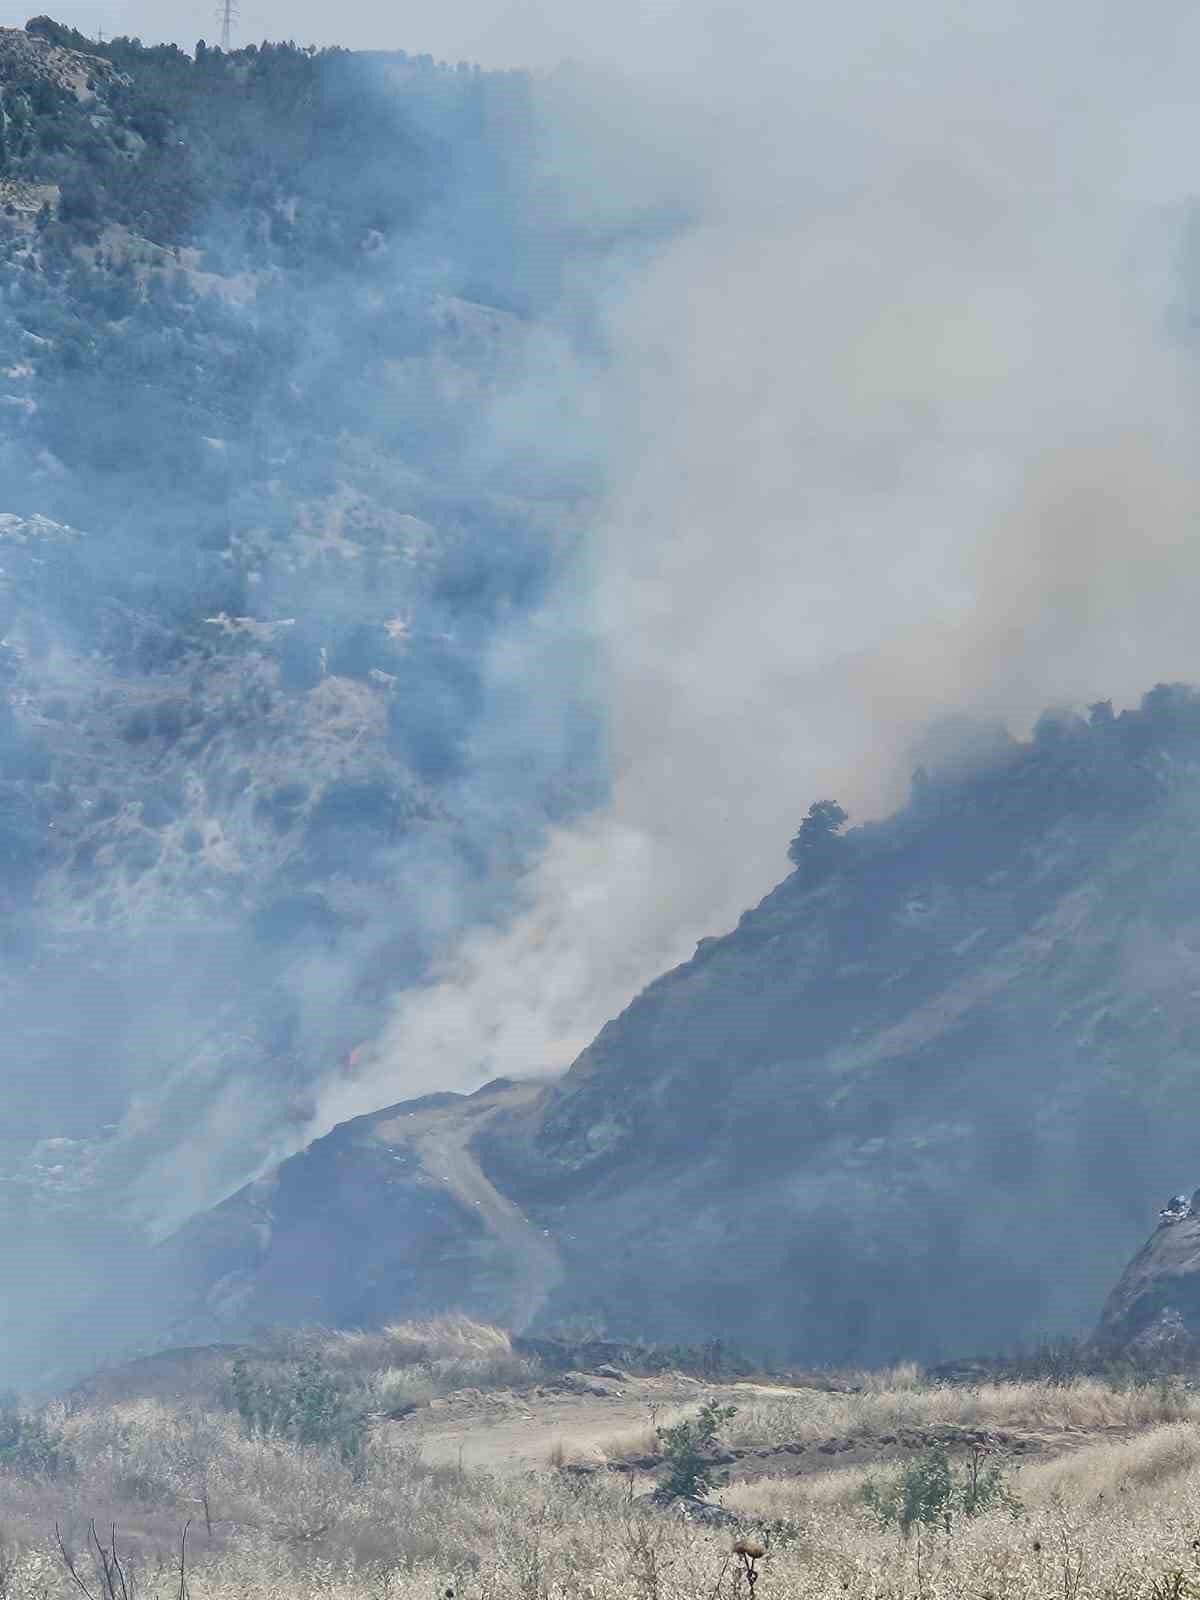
pixel 833 374
pixel 908 420
pixel 304 685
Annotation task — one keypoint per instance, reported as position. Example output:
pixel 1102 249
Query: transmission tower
pixel 227 15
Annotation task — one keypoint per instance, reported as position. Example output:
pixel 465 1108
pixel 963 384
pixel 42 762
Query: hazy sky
pixel 524 33
pixel 695 37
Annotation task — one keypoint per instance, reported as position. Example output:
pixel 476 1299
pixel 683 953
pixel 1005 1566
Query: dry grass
pixel 395 1385
pixel 565 1453
pixel 412 1361
pixel 1091 1404
pixel 400 1344
pixel 1099 1471
pixel 644 1441
pixel 903 1376
pixel 1111 1520
pixel 448 1338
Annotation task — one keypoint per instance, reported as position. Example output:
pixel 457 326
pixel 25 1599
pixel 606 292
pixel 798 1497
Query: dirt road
pixel 535 1266
pixel 511 1432
pixel 442 1140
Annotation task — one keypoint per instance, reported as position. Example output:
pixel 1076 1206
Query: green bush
pixel 30 1447
pixel 690 1473
pixel 303 1402
pixel 928 1490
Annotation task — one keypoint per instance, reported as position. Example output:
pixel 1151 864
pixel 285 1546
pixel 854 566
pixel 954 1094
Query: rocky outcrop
pixel 1155 1306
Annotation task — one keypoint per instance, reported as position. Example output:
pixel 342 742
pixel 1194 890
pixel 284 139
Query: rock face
pixel 911 1105
pixel 1155 1305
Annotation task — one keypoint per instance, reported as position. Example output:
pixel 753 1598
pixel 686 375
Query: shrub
pixel 691 1474
pixel 928 1490
pixel 305 1403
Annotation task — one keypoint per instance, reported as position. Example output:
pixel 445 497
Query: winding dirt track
pixel 442 1139
pixel 536 1267
pixel 512 1431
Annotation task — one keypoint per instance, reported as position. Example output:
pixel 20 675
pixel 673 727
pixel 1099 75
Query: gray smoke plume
pixel 766 388
pixel 906 431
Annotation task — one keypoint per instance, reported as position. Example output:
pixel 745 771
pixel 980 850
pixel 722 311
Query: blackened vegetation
pixel 1103 769
pixel 960 1035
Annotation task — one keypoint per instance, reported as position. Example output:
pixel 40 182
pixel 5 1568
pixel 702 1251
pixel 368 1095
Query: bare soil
pixel 514 1431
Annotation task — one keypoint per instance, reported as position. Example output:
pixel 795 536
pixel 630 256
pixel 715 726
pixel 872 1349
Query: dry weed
pixel 903 1376
pixel 1112 1520
pixel 448 1338
pixel 813 1414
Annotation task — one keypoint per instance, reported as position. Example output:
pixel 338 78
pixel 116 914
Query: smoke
pixel 721 411
pixel 907 431
pixel 304 686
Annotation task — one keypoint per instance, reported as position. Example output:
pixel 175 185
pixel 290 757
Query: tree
pixel 814 847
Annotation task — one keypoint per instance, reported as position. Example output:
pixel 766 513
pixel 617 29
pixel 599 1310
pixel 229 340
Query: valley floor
pixel 476 1471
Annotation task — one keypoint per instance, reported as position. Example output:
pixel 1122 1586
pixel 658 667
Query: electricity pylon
pixel 227 15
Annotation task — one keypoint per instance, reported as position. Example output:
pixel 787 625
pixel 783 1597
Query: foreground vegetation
pixel 283 1504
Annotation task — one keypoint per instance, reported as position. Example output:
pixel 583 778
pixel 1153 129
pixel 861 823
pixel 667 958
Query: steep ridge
pixel 912 1105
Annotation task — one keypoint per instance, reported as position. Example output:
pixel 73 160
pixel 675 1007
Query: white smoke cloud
pixel 904 431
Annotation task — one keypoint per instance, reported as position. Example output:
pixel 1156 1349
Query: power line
pixel 228 14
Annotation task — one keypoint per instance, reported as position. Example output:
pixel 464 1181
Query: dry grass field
pixel 1100 1499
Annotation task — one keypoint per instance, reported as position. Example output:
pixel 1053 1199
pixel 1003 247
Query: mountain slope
pixel 912 1104
pixel 285 548
pixel 387 1211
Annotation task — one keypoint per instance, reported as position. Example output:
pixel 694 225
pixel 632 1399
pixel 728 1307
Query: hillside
pixel 298 675
pixel 916 1103
pixel 277 514
pixel 434 1457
